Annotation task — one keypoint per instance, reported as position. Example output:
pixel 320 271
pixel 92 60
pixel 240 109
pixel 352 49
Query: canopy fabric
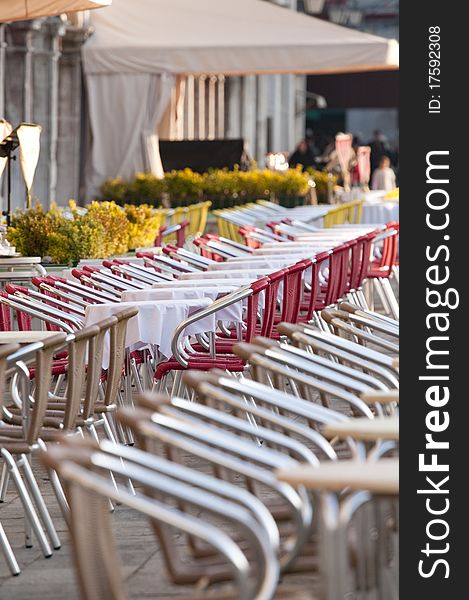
pixel 226 36
pixel 22 10
pixel 141 47
pixel 125 111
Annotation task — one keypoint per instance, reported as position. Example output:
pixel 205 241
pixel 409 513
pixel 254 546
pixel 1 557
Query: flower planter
pixel 291 201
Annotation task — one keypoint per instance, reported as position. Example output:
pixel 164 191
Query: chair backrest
pixel 253 306
pixel 314 301
pixel 117 353
pixel 23 320
pixel 5 351
pixel 95 362
pixel 389 250
pixel 292 290
pixel 271 301
pixel 226 393
pixel 265 369
pixel 84 469
pixel 337 264
pixel 229 451
pixel 78 349
pixel 44 359
pixel 5 314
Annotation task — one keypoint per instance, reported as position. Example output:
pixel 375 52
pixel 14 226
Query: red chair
pixel 179 229
pixel 220 355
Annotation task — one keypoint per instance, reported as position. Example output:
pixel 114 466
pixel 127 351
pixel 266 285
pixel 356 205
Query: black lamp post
pixel 7 146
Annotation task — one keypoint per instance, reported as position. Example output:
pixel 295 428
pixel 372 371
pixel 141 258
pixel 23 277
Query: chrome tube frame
pixel 177 346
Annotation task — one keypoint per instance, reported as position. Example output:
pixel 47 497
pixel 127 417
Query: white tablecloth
pixel 229 314
pixel 220 284
pixel 205 282
pixel 380 213
pixel 155 322
pixel 270 263
pixel 227 274
pixel 307 214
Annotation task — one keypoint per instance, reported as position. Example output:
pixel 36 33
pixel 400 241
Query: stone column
pixel 72 124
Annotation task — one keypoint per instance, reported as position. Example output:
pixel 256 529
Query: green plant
pixel 115 189
pixel 187 186
pixel 143 224
pixel 32 231
pixel 115 224
pixel 66 236
pixel 183 184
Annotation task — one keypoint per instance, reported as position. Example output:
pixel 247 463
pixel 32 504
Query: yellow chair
pixel 196 214
pixel 349 212
pixel 330 219
pixel 203 208
pixel 355 212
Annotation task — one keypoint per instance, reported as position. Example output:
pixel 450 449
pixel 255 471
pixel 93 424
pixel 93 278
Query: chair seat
pixel 379 272
pixel 230 363
pixel 222 346
pixel 58 368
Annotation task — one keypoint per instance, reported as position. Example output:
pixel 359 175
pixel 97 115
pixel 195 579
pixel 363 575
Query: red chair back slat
pixel 270 305
pixel 292 290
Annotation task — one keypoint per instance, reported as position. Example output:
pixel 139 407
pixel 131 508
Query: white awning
pixel 226 36
pixel 22 10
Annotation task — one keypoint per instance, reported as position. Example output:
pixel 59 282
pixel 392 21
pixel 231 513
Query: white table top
pixel 227 274
pixel 16 261
pixel 155 322
pixel 231 314
pixel 24 337
pixel 262 262
pixel 380 212
pixel 206 282
pixel 362 428
pixel 379 477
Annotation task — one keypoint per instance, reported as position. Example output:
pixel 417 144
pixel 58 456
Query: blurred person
pixel 302 155
pixel 383 177
pixel 354 172
pixel 311 141
pixel 379 147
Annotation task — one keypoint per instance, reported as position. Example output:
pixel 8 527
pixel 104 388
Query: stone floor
pixel 54 578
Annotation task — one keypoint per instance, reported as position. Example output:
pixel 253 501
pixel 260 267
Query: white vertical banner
pixel 364 165
pixel 29 139
pixel 343 147
pixel 5 129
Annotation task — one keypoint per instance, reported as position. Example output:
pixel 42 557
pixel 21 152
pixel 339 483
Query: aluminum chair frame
pixel 158 511
pixel 264 369
pixel 218 390
pixel 230 453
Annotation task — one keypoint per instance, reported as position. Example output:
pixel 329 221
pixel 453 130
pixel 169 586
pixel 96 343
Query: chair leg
pixel 109 428
pixel 362 300
pixel 369 293
pixel 39 501
pixel 391 298
pixel 57 485
pixel 176 389
pixel 4 480
pixel 377 284
pixel 8 553
pixel 124 433
pixel 94 435
pixel 136 376
pixel 30 513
